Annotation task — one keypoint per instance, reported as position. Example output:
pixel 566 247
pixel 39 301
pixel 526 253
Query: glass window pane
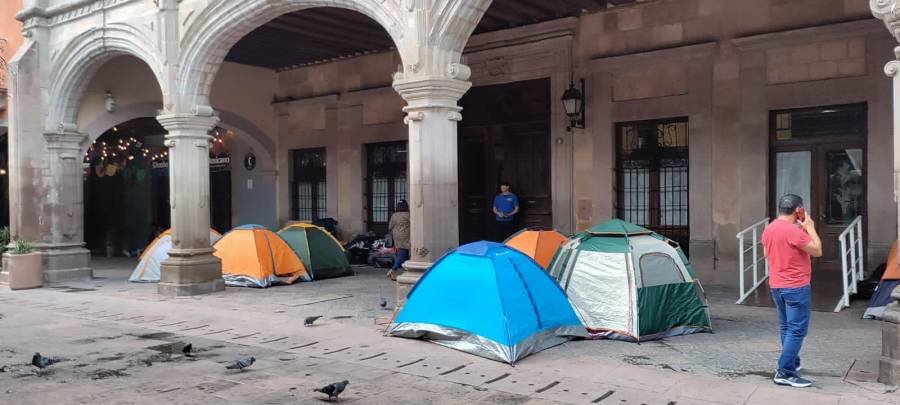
pixel 636 191
pixel 792 175
pixel 379 201
pixel 673 190
pixel 400 189
pixel 321 200
pixel 659 269
pixel 841 120
pixel 304 201
pixel 845 186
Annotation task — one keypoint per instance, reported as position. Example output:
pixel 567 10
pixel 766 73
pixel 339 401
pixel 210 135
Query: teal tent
pixel 320 252
pixel 627 282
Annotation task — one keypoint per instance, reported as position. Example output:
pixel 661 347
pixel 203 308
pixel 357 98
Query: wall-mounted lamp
pixel 573 102
pixel 110 101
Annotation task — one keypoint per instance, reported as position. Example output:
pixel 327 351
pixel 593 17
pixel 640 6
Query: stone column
pixel 431 114
pixel 65 257
pixel 889 363
pixel 191 268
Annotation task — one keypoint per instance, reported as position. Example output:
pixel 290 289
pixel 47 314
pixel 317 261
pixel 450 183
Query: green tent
pixel 627 282
pixel 320 252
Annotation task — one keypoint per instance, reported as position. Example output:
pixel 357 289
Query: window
pixel 386 183
pixel 839 120
pixel 652 176
pixel 659 269
pixel 308 185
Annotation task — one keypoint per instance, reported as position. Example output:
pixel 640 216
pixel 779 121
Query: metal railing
pixel 757 255
pixel 852 265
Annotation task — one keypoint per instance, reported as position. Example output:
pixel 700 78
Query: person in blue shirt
pixel 506 206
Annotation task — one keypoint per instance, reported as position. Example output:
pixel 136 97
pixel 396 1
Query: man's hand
pixel 808 224
pixel 814 247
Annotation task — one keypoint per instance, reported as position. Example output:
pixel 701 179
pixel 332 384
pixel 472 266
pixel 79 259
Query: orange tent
pixel 540 245
pixel 253 256
pixel 892 269
pixel 889 281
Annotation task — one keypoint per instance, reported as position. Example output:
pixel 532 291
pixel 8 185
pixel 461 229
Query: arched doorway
pixel 126 186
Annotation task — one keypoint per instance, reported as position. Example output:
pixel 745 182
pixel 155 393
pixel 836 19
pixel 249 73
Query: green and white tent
pixel 627 282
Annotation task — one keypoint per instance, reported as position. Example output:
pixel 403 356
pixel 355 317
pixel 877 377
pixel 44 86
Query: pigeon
pixel 241 364
pixel 187 350
pixel 310 319
pixel 41 362
pixel 383 303
pixel 333 390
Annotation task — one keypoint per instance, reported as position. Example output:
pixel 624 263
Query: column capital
pixel 66 140
pixel 892 68
pixel 424 93
pixel 188 125
pixel 886 10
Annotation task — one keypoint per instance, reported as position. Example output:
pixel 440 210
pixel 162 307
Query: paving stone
pixel 725 392
pixel 788 395
pixel 697 369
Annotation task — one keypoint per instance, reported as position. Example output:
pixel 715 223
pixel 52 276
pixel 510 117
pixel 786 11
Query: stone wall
pixel 645 61
pixel 816 61
pixel 722 63
pixel 10 40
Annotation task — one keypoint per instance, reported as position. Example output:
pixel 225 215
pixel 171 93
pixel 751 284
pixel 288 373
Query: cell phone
pixel 801 214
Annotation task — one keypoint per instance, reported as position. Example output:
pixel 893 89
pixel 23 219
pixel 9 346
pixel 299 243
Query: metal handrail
pixel 852 270
pixel 755 231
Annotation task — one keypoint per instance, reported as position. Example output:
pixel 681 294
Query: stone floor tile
pixel 788 395
pixel 722 392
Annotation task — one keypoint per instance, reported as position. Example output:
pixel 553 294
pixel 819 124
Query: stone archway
pixel 50 213
pixel 220 25
pixel 80 60
pixel 429 37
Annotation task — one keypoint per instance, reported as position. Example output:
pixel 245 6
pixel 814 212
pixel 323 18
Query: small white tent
pixel 147 270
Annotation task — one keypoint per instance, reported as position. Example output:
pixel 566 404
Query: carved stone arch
pixel 250 133
pixel 80 59
pixel 454 22
pixel 214 30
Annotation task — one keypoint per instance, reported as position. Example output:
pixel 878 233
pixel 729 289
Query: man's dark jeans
pixel 503 230
pixel 402 257
pixel 792 305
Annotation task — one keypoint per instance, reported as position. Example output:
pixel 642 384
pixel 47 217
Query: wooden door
pixel 840 195
pixel 526 165
pixel 474 202
pixel 819 154
pixel 220 200
pixel 504 136
pixel 830 178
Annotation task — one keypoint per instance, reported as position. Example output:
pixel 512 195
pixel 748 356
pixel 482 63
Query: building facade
pixel 698 113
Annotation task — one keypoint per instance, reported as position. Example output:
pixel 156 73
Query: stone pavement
pixel 116 338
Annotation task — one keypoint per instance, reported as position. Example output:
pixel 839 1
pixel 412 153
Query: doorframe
pixel 491 186
pixel 816 146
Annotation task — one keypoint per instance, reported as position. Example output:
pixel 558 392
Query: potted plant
pixel 4 238
pixel 23 266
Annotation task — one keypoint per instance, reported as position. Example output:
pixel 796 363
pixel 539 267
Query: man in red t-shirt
pixel 789 243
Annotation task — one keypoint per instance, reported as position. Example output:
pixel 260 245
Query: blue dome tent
pixel 489 300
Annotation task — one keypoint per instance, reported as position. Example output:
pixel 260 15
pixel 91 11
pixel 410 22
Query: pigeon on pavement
pixel 310 319
pixel 241 364
pixel 333 390
pixel 383 303
pixel 41 362
pixel 187 350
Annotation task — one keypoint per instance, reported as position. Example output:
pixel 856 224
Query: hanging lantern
pixel 573 102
